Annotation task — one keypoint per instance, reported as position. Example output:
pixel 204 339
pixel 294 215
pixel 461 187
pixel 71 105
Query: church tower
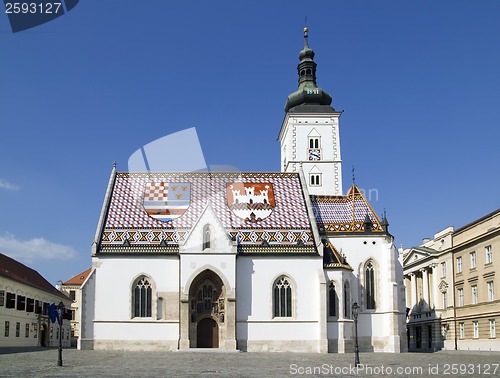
pixel 309 134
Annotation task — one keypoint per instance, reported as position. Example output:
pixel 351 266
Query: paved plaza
pixel 42 362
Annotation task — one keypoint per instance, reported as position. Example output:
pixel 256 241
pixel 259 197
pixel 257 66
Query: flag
pixel 53 313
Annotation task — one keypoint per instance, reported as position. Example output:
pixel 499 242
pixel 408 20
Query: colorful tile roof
pixel 333 258
pixel 257 209
pixel 344 214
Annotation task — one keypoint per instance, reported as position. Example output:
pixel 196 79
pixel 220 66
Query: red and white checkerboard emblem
pixel 166 201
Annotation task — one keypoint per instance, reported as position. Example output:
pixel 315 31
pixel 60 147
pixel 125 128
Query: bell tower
pixel 309 135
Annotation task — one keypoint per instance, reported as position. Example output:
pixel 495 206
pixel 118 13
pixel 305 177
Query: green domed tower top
pixel 308 92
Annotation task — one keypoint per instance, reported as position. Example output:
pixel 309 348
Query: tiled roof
pixel 79 278
pixel 281 220
pixel 344 214
pixel 332 258
pixel 16 271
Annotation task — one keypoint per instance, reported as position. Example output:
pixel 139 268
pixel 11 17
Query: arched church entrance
pixel 207 311
pixel 207 333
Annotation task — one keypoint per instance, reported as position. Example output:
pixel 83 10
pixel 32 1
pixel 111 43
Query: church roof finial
pixel 306 37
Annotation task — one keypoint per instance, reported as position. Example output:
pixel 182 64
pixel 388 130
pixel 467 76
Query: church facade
pixel 247 261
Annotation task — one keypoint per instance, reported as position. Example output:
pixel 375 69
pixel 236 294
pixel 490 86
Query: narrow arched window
pixel 347 301
pixel 332 300
pixel 370 286
pixel 206 237
pixel 143 294
pixel 282 298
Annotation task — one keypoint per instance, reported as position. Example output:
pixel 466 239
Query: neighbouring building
pixel 250 261
pixel 72 288
pixel 24 299
pixel 450 288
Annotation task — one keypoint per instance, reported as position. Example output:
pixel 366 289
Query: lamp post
pixel 355 312
pixel 60 310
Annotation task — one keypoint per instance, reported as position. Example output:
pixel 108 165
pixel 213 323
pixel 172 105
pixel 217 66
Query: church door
pixel 207 332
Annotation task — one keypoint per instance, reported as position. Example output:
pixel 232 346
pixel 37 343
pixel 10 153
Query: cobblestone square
pixel 42 362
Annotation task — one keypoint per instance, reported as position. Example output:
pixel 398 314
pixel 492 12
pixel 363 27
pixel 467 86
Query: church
pixel 257 262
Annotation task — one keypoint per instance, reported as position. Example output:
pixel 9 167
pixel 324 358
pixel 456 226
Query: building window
pixel 474 294
pixel 21 303
pixel 489 254
pixel 462 330
pixel 370 286
pixel 491 291
pixel 35 331
pixel 7 328
pixel 443 269
pixel 72 295
pixel 11 300
pixel 27 330
pixel 445 300
pixel 18 329
pixel 460 297
pixel 475 327
pixel 332 300
pixel 2 298
pixel 143 293
pixel 315 179
pixel 206 237
pixel 459 264
pixel 347 301
pixel 30 305
pixel 282 298
pixel 493 333
pixel 473 260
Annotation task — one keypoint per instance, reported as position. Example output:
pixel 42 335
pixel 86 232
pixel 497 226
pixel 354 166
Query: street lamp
pixel 60 310
pixel 355 312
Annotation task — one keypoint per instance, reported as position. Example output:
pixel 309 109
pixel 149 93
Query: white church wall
pixel 257 328
pixel 115 277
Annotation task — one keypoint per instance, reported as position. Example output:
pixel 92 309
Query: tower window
pixel 302 73
pixel 314 142
pixel 315 179
pixel 308 72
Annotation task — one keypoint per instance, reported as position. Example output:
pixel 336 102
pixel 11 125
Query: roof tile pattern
pixel 344 214
pixel 128 222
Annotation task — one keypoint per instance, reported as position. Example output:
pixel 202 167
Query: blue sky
pixel 418 81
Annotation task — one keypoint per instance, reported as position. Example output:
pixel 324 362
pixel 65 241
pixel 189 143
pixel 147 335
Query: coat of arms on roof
pixel 252 202
pixel 166 201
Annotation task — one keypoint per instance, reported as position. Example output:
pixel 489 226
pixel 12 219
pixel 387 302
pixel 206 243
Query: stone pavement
pixel 42 362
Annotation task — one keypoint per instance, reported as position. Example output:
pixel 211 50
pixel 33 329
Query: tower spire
pixel 308 92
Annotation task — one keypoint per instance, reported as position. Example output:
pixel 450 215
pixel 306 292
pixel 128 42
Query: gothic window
pixel 332 300
pixel 142 298
pixel 206 237
pixel 347 301
pixel 370 286
pixel 282 297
